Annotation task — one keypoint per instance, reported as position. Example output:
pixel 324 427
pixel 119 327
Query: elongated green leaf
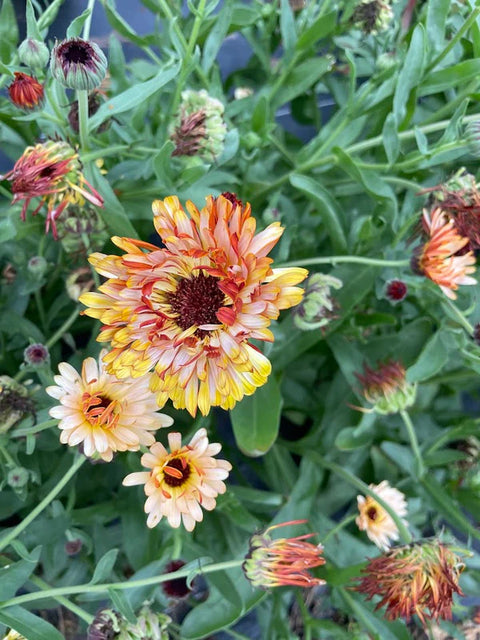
pixel 32 27
pixel 122 27
pixel 411 73
pixel 14 576
pixel 216 36
pixel 120 602
pixel 49 15
pixel 256 419
pixel 30 626
pixel 287 29
pixel 301 78
pixel 104 566
pixel 132 97
pixel 430 361
pixel 437 12
pixel 8 31
pixel 327 208
pixel 391 140
pixel 76 26
pixel 447 78
pixel 322 26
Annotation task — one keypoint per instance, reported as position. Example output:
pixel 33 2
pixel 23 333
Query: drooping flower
pixel 104 413
pixel 190 310
pixel 372 16
pixel 284 561
pixel 317 308
pixel 78 64
pixel 181 482
pixel 33 53
pixel 50 171
pixel 396 290
pixel 375 520
pixel 438 258
pixel 420 579
pixel 199 128
pixel 386 387
pixel 26 92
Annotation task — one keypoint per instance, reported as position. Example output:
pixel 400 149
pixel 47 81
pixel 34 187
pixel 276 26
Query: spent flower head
pixel 386 387
pixel 182 482
pixel 26 92
pixel 15 403
pixel 149 626
pixel 373 16
pixel 284 561
pixel 317 308
pixel 190 310
pixel 375 520
pixel 420 579
pixel 78 64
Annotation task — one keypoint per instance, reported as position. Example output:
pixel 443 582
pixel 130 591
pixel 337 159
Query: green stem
pixel 41 310
pixel 74 608
pixel 447 303
pixel 307 632
pixel 404 533
pixel 82 99
pixel 420 465
pixel 65 326
pixel 456 38
pixel 341 525
pixel 20 433
pixel 15 532
pixel 374 262
pixel 117 586
pixel 88 21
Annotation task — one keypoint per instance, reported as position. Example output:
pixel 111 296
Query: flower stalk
pixel 82 99
pixel 419 464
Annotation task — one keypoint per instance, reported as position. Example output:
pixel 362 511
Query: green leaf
pixel 14 324
pixel 256 419
pixel 7 229
pixel 122 27
pixel 450 77
pixel 216 36
pixel 437 12
pixel 422 140
pixel 162 161
pixel 350 438
pixel 49 15
pixel 133 96
pixel 411 72
pixel 391 141
pixel 120 602
pixel 8 31
pixel 260 115
pixel 327 208
pixel 33 30
pixel 13 576
pixel 76 26
pixel 301 78
pixel 320 28
pixel 433 357
pixel 30 626
pixel 104 566
pixel 287 30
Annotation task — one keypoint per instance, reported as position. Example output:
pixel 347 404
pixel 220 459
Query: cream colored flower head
pixel 181 482
pixel 102 412
pixel 375 521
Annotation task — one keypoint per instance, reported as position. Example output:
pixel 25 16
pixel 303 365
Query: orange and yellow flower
pixel 181 482
pixel 386 387
pixel 375 520
pixel 438 258
pixel 416 579
pixel 284 561
pixel 103 413
pixel 190 310
pixel 26 92
pixel 50 171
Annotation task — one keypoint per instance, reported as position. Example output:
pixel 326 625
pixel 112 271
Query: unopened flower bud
pixel 37 265
pixel 26 92
pixel 81 229
pixel 78 64
pixel 317 307
pixel 78 282
pixel 386 388
pixel 472 135
pixel 242 92
pixel 396 290
pixel 176 587
pixel 149 626
pixel 33 53
pixel 36 355
pixel 17 477
pixel 73 547
pixel 105 625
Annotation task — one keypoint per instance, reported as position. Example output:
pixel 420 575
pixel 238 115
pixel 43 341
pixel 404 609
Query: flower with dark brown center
pixel 36 355
pixel 196 302
pixel 26 92
pixel 78 64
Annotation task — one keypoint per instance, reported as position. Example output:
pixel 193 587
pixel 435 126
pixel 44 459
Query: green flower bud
pixel 472 135
pixel 37 265
pixel 317 308
pixel 33 53
pixel 386 388
pixel 149 626
pixel 78 64
pixel 17 477
pixel 81 229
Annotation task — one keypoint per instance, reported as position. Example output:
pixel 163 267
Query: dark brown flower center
pixel 100 410
pixel 176 472
pixel 196 302
pixel 372 513
pixel 76 52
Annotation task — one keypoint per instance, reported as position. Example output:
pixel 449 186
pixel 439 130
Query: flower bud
pixel 472 135
pixel 149 626
pixel 396 290
pixel 105 625
pixel 78 64
pixel 37 265
pixel 317 307
pixel 78 282
pixel 14 403
pixel 17 477
pixel 81 229
pixel 36 355
pixel 26 92
pixel 386 388
pixel 33 53
pixel 73 547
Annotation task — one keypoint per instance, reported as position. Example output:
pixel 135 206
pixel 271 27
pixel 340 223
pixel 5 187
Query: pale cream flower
pixel 181 482
pixel 375 521
pixel 102 412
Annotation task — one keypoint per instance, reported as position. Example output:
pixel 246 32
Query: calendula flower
pixel 438 258
pixel 372 16
pixel 284 561
pixel 36 355
pixel 33 53
pixel 78 64
pixel 181 482
pixel 189 311
pixel 375 521
pixel 396 290
pixel 50 171
pixel 386 387
pixel 104 413
pixel 419 579
pixel 26 92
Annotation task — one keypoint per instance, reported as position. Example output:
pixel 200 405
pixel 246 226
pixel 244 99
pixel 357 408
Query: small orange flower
pixel 386 387
pixel 282 562
pixel 416 579
pixel 190 310
pixel 438 258
pixel 26 92
pixel 50 171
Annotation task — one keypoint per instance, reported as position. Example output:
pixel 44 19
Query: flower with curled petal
pixel 181 482
pixel 102 412
pixel 374 520
pixel 190 310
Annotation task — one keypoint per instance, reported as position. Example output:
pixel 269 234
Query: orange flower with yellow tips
pixel 419 579
pixel 190 310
